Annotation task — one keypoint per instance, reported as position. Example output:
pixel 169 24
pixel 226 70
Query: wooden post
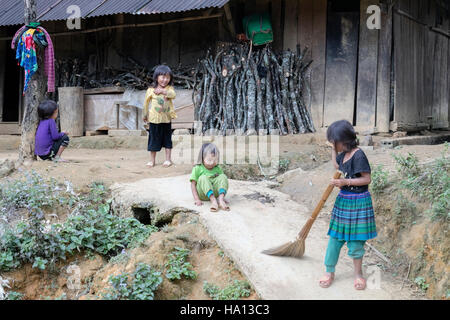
pixel 71 110
pixel 230 20
pixel 34 95
pixel 366 93
pixel 2 77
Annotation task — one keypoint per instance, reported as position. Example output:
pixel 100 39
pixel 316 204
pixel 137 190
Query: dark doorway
pixel 12 85
pixel 341 60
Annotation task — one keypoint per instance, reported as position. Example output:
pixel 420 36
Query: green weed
pixel 141 285
pixel 177 265
pixel 234 291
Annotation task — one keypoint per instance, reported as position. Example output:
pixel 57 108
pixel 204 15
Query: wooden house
pixel 391 77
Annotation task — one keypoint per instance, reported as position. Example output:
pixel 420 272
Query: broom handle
pixel 325 196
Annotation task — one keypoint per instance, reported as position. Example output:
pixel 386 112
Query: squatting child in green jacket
pixel 208 182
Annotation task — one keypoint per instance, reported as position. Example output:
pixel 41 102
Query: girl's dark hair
pixel 46 109
pixel 207 148
pixel 162 70
pixel 342 131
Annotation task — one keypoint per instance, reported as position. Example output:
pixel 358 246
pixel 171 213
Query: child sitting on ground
pixel 49 143
pixel 208 182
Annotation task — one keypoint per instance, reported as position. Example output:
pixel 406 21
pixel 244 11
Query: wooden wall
pixel 305 24
pixel 2 75
pixel 354 83
pixel 421 65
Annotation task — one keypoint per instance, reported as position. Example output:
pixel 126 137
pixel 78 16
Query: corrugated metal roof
pixel 59 12
pixel 12 11
pixel 166 6
pixel 117 6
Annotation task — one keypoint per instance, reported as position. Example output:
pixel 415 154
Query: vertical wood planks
pixel 305 25
pixel 440 86
pixel 2 74
pixel 367 70
pixel 276 25
pixel 384 71
pixel 341 60
pixel 290 25
pixel 318 51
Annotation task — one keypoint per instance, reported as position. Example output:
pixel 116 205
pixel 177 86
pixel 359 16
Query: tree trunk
pixel 34 95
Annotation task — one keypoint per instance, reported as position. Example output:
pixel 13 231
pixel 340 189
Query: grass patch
pixel 236 290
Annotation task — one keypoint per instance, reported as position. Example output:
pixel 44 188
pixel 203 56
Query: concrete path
pixel 252 226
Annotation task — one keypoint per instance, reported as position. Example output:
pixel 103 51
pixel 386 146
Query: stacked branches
pixel 239 91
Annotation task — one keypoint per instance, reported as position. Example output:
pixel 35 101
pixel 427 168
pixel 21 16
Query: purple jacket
pixel 46 134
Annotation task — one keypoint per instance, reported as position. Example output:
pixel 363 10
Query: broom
pixel 296 248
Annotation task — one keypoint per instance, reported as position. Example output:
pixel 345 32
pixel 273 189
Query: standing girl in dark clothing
pixel 352 219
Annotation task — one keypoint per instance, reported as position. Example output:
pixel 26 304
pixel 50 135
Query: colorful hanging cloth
pixel 26 52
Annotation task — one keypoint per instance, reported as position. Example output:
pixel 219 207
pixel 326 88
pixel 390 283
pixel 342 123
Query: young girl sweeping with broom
pixel 352 219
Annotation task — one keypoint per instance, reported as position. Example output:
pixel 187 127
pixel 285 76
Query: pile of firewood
pixel 74 72
pixel 243 90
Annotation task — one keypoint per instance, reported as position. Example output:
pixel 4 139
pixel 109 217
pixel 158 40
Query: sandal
pixel 214 208
pixel 167 163
pixel 360 284
pixel 226 207
pixel 150 164
pixel 326 281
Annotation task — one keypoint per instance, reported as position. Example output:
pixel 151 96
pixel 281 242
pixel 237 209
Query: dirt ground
pixel 122 159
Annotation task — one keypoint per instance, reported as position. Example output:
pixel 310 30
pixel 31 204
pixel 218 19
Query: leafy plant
pixel 420 281
pixel 234 291
pixel 142 285
pixel 177 265
pixel 429 182
pixel 409 165
pixel 91 226
pixel 284 165
pixel 379 179
pixel 13 295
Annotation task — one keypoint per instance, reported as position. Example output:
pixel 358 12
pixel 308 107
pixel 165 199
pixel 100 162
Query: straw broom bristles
pixel 296 248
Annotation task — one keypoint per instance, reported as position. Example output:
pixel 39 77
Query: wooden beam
pixel 366 93
pixel 131 25
pixel 7 128
pixel 230 20
pixel 384 71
